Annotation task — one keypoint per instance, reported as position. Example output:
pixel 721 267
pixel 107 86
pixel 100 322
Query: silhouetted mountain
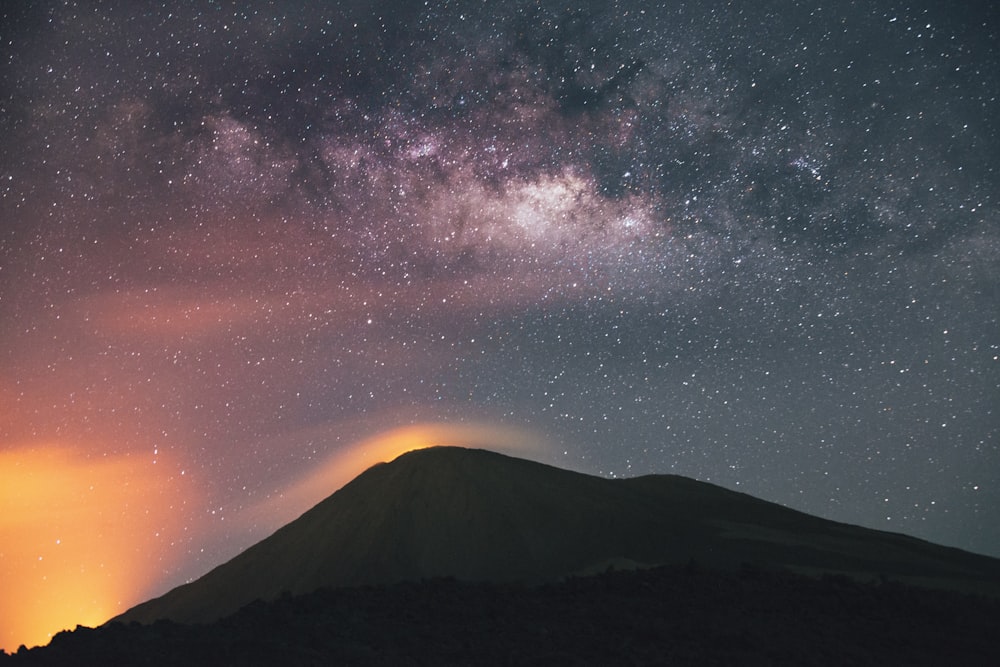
pixel 480 516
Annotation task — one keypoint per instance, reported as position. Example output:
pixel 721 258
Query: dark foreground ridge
pixel 677 615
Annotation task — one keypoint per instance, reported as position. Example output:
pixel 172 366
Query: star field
pixel 756 245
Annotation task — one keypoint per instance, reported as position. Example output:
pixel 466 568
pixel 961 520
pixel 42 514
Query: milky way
pixel 755 246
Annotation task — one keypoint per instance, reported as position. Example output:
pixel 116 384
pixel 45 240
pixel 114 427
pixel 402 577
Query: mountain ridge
pixel 482 516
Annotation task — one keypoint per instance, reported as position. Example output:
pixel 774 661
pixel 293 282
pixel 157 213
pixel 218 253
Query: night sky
pixel 754 243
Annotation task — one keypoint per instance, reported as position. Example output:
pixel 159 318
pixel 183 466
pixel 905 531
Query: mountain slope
pixel 478 515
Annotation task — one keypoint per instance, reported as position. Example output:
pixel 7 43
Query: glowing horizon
pixel 78 538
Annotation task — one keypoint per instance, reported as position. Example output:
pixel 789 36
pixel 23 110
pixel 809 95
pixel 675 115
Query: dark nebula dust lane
pixel 243 247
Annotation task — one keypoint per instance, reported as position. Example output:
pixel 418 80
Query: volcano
pixel 475 515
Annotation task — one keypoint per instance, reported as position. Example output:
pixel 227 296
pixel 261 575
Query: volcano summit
pixel 476 515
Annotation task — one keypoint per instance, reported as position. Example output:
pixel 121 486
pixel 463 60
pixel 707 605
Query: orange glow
pixel 80 539
pixel 342 467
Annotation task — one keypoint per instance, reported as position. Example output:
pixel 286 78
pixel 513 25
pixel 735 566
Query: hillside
pixel 480 516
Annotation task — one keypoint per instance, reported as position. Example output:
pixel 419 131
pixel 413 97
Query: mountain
pixel 477 515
